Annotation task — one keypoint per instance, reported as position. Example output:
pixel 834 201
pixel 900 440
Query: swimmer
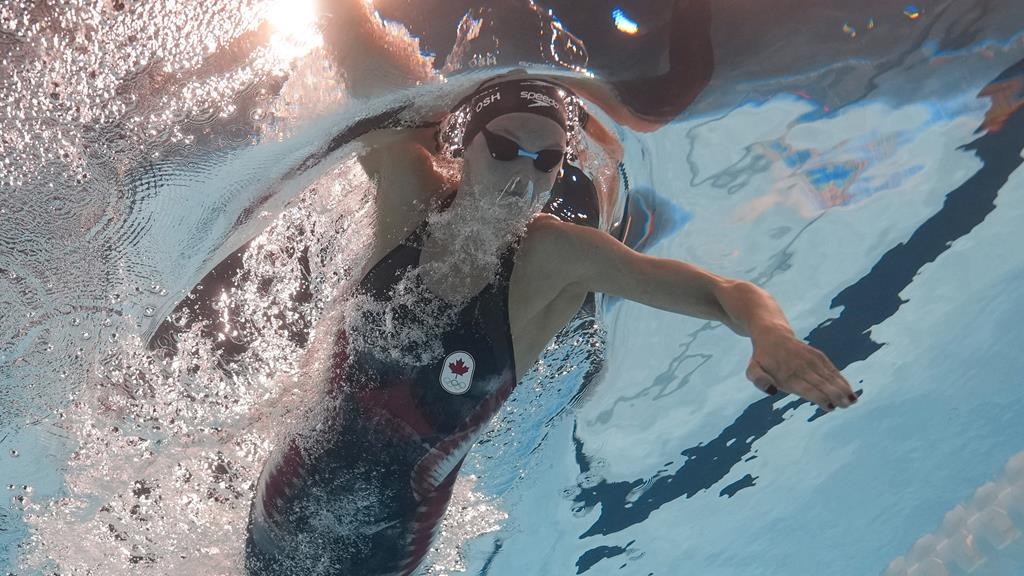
pixel 363 491
pixel 467 283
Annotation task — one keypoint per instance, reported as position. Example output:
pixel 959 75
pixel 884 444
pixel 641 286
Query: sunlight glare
pixel 294 28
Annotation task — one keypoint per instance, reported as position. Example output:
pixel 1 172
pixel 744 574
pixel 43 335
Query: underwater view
pixel 506 287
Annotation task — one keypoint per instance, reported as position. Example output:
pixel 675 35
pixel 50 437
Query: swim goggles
pixel 506 150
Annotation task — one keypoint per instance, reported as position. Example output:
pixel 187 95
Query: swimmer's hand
pixel 783 363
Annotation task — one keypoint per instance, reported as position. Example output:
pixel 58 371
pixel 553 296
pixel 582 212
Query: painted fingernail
pixel 852 397
pixel 772 390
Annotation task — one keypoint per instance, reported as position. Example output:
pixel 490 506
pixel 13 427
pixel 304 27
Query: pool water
pixel 862 165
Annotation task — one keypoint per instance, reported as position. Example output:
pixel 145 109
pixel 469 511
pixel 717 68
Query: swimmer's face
pixel 519 179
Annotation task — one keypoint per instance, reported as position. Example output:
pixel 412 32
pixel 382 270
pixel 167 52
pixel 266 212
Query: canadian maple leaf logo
pixel 458 367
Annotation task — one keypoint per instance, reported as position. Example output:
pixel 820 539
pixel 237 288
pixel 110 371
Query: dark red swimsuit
pixel 367 502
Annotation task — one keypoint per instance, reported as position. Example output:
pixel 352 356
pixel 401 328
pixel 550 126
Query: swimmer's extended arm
pixel 594 261
pixel 374 56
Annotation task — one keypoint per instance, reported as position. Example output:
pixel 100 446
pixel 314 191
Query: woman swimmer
pixel 363 491
pixel 468 285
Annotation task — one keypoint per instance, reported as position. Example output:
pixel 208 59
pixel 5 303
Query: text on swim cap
pixel 538 98
pixel 488 101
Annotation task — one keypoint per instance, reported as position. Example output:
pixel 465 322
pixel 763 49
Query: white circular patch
pixel 457 372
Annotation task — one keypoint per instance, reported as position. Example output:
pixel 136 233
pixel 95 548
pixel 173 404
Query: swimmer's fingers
pixel 762 379
pixel 802 377
pixel 816 369
pixel 792 384
pixel 791 365
pixel 811 392
pixel 834 380
pixel 836 398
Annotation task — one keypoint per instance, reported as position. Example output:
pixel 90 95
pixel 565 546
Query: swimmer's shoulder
pixel 547 243
pixel 544 224
pixel 540 276
pixel 551 232
pixel 568 253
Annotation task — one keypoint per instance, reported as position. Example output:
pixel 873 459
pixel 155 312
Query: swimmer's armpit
pixel 374 56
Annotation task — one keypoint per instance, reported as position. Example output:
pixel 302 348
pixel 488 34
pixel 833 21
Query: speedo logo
pixel 538 99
